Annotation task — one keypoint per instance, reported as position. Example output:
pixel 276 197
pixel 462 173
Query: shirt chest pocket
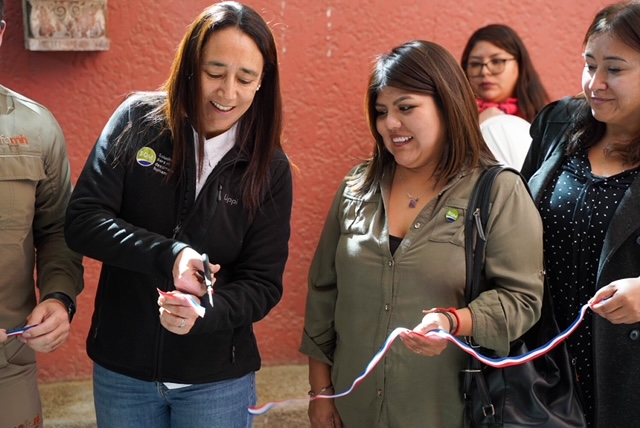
pixel 19 177
pixel 357 215
pixel 448 223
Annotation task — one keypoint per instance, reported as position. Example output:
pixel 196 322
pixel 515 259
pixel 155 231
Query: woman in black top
pixel 194 169
pixel 584 164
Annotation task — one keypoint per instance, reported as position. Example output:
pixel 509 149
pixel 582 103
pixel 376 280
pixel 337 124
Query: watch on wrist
pixel 66 300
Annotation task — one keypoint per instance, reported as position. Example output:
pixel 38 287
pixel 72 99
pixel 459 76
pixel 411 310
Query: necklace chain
pixel 413 200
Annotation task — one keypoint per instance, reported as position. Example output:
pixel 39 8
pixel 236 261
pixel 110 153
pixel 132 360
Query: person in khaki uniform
pixel 393 246
pixel 35 185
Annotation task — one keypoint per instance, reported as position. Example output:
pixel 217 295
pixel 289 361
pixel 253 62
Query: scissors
pixel 208 281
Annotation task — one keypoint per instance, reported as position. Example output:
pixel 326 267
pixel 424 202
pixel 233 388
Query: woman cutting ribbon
pixel 195 168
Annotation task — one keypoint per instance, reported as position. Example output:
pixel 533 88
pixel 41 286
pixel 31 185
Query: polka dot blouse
pixel 576 209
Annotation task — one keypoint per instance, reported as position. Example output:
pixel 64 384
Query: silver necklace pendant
pixel 413 203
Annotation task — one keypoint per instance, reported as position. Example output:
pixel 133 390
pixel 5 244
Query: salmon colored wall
pixel 326 49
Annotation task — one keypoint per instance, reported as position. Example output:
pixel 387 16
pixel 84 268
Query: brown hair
pixel 259 129
pixel 426 68
pixel 622 21
pixel 530 92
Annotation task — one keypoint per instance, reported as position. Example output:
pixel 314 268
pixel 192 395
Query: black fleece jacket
pixel 125 213
pixel 616 347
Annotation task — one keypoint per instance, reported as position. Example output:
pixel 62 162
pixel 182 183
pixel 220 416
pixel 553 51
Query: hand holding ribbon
pixel 494 362
pixel 178 311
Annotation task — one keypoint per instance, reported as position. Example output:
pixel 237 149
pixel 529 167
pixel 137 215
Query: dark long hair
pixel 621 21
pixel 259 130
pixel 426 68
pixel 530 92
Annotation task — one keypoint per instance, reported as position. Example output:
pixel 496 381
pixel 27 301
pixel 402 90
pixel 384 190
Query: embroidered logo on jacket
pixel 146 156
pixel 18 140
pixel 229 200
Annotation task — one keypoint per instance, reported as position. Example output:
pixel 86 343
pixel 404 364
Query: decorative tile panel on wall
pixel 65 25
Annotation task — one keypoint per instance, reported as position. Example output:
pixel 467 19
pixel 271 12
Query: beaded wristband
pixel 447 312
pixel 450 318
pixel 455 314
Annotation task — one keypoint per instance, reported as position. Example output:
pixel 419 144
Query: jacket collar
pixel 7 103
pixel 624 223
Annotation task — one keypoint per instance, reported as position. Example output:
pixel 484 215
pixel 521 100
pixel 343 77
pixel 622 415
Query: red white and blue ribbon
pixel 191 301
pixel 493 362
pixel 19 331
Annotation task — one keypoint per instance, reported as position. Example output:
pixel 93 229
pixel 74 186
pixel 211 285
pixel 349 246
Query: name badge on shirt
pixel 451 215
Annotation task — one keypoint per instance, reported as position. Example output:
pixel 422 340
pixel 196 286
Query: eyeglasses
pixel 494 66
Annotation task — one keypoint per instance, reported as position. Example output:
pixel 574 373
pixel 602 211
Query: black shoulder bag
pixel 538 393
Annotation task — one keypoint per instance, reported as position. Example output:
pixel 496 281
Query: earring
pixel 258 88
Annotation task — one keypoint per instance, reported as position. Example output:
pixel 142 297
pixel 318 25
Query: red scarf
pixel 510 106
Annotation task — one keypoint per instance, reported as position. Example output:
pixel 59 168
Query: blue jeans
pixel 122 401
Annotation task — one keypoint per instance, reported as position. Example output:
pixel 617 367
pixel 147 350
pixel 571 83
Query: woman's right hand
pixel 323 414
pixel 427 345
pixel 187 270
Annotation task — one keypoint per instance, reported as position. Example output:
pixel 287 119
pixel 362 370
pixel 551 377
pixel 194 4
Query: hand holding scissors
pixel 188 272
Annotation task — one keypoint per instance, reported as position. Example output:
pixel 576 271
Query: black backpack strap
pixel 475 243
pixel 476 221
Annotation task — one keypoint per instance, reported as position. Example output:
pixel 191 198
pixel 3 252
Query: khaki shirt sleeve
pixel 58 268
pixel 513 267
pixel 319 337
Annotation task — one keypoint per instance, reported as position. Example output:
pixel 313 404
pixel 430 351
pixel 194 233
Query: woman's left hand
pixel 176 315
pixel 430 346
pixel 618 302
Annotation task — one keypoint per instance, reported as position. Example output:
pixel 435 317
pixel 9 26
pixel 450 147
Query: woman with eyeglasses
pixel 508 89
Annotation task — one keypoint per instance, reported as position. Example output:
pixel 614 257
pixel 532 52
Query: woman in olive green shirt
pixel 393 246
